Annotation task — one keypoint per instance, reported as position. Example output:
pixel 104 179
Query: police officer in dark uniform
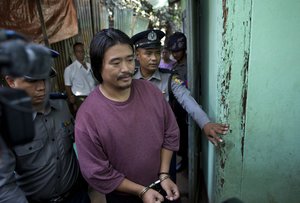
pixel 148 48
pixel 177 45
pixel 45 169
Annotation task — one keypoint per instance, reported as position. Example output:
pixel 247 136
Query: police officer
pixel 177 45
pixel 148 47
pixel 46 168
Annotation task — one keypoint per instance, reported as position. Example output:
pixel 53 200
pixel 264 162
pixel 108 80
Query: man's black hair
pixel 102 41
pixel 77 44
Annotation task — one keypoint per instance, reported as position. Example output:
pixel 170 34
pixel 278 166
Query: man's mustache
pixel 126 75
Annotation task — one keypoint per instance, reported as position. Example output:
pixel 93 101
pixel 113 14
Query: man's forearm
pixel 130 187
pixel 70 94
pixel 166 156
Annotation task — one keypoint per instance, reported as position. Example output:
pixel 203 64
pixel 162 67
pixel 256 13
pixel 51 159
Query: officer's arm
pixel 183 96
pixel 185 99
pixel 9 190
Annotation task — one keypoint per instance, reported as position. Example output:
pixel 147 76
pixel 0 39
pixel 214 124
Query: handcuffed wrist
pixel 141 194
pixel 164 178
pixel 163 173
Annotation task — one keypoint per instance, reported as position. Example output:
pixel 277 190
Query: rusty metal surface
pixel 92 17
pixel 22 16
pixel 61 62
pixel 66 22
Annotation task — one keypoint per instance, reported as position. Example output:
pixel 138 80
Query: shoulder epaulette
pixel 58 95
pixel 177 80
pixel 164 70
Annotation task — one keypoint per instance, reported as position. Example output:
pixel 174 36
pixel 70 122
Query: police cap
pixel 28 60
pixel 40 62
pixel 148 39
pixel 177 42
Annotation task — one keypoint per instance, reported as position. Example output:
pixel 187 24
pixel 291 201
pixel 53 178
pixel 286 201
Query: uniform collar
pixel 155 76
pixel 51 106
pixel 177 65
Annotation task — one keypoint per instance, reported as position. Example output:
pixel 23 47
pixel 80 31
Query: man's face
pixel 165 54
pixel 149 58
pixel 79 52
pixel 118 67
pixel 36 89
pixel 178 55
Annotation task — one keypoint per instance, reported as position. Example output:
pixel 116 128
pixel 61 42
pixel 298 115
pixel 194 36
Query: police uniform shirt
pixel 159 79
pixel 181 70
pixel 181 93
pixel 47 166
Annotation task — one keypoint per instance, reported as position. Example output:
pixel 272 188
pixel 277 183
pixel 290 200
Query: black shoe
pixel 181 166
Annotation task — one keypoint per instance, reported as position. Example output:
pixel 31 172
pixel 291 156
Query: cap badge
pixel 152 36
pixel 180 44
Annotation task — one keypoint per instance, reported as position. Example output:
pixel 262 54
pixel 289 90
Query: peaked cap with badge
pixel 40 61
pixel 148 39
pixel 36 60
pixel 177 42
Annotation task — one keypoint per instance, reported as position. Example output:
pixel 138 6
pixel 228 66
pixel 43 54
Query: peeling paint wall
pixel 225 56
pixel 233 56
pixel 250 68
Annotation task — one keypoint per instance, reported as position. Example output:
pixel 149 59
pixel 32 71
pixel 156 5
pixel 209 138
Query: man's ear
pixel 137 55
pixel 10 81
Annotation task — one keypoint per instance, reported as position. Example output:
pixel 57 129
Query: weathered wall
pixel 250 78
pixel 209 73
pixel 271 159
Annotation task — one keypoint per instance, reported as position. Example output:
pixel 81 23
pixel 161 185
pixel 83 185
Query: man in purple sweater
pixel 125 130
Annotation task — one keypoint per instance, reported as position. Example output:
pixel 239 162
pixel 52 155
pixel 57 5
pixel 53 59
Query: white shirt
pixel 81 80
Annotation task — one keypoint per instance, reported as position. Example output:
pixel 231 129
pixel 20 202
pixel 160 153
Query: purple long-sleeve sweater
pixel 124 139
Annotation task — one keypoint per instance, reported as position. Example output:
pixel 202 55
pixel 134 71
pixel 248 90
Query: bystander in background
pixel 166 62
pixel 78 78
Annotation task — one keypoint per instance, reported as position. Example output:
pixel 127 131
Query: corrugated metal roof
pixel 92 17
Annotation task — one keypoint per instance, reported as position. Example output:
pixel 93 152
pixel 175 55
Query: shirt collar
pixel 81 66
pixel 183 63
pixel 155 76
pixel 51 106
